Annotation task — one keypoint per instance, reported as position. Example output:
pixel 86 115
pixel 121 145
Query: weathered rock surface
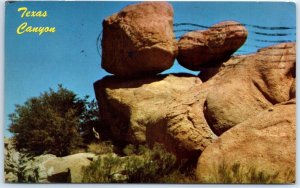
pixel 128 105
pixel 11 161
pixel 20 168
pixel 246 85
pixel 139 40
pixel 136 111
pixel 227 99
pixel 52 169
pixel 265 142
pixel 33 170
pixel 211 47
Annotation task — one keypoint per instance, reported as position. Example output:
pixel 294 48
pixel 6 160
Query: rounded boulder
pixel 139 40
pixel 208 48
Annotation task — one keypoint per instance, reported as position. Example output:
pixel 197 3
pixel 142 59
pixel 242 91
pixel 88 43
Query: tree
pixel 91 120
pixel 50 123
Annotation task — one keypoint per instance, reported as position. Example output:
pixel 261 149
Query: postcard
pixel 178 92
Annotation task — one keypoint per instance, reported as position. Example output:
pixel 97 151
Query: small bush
pixel 177 176
pixel 237 174
pixel 155 164
pixel 129 150
pixel 141 165
pixel 103 170
pixel 100 148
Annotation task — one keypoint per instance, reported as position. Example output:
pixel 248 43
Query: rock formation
pixel 146 110
pixel 11 161
pixel 185 114
pixel 139 40
pixel 200 49
pixel 266 142
pixel 51 169
pixel 19 167
pixel 182 112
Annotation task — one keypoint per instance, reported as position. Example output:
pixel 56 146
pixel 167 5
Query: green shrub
pixel 104 170
pixel 155 164
pixel 141 165
pixel 100 148
pixel 238 174
pixel 52 123
pixel 129 150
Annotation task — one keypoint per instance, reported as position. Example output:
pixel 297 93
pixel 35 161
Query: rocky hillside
pixel 235 120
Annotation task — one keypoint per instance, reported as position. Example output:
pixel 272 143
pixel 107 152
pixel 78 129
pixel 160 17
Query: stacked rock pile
pixel 240 110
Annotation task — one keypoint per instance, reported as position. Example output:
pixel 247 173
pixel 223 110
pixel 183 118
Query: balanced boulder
pixel 211 47
pixel 139 40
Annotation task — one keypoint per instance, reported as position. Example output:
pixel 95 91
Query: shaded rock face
pixel 198 50
pixel 52 169
pixel 139 40
pixel 147 110
pixel 265 142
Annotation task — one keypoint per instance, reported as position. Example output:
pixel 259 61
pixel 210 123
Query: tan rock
pixel 145 110
pixel 71 164
pixel 226 100
pixel 183 129
pixel 248 84
pixel 129 105
pixel 265 142
pixel 276 66
pixel 52 169
pixel 208 48
pixel 139 40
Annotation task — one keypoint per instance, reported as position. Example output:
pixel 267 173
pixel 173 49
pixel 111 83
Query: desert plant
pixel 129 150
pixel 100 148
pixel 143 165
pixel 235 173
pixel 104 170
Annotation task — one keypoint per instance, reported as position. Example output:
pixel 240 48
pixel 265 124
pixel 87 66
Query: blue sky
pixel 34 63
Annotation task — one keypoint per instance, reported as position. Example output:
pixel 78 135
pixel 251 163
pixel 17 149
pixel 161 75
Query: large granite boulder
pixel 139 40
pixel 265 143
pixel 208 48
pixel 148 110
